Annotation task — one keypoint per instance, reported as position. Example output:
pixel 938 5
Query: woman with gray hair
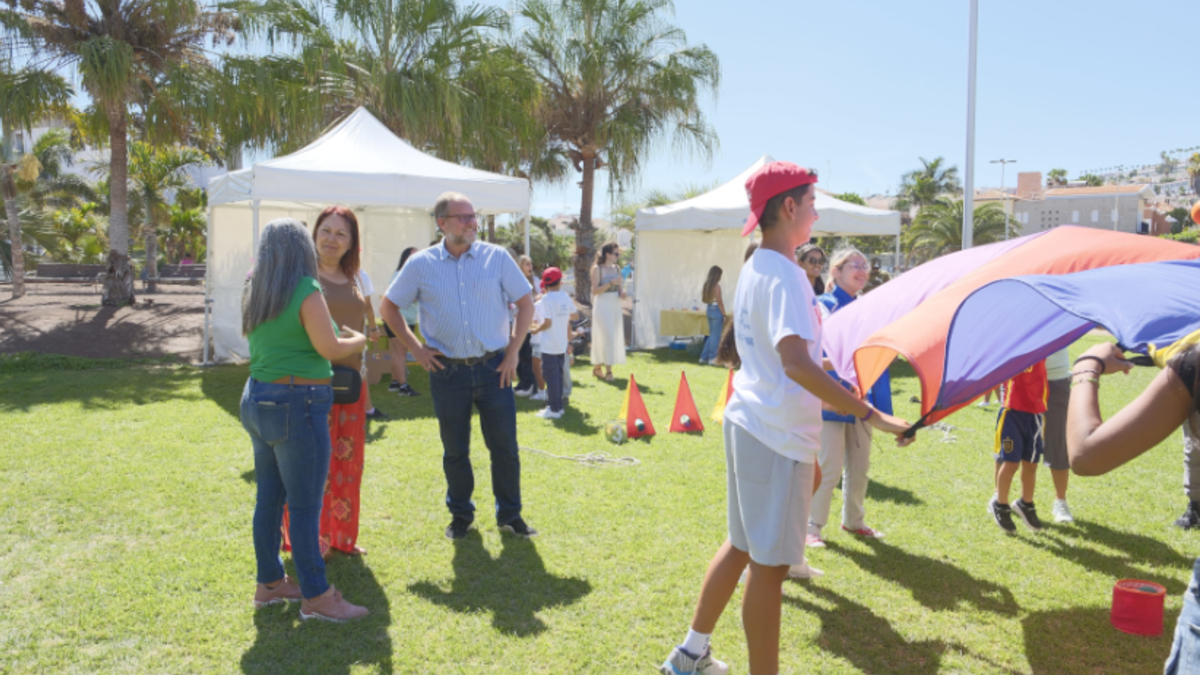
pixel 285 409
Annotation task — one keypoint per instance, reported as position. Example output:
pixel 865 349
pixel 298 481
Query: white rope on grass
pixel 593 459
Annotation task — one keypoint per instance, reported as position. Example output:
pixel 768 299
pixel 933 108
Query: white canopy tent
pixel 678 243
pixel 359 163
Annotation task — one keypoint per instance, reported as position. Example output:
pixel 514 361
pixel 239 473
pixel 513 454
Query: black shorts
pixel 388 329
pixel 1019 436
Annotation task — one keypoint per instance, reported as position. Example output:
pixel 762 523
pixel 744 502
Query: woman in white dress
pixel 608 322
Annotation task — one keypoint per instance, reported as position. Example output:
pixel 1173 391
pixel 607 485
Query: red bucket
pixel 1137 607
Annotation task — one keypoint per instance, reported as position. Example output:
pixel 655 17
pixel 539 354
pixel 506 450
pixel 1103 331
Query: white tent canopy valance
pixel 678 243
pixel 359 163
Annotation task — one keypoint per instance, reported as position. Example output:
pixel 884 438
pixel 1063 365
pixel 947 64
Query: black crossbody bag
pixel 347 381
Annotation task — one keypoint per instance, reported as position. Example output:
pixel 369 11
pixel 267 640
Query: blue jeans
pixel 1185 651
pixel 289 428
pixel 457 390
pixel 552 371
pixel 716 322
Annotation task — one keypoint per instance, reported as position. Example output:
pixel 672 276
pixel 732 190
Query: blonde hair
pixel 841 255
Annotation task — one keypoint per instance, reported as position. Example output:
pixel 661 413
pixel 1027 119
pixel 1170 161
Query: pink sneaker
pixel 285 591
pixel 814 541
pixel 865 532
pixel 330 606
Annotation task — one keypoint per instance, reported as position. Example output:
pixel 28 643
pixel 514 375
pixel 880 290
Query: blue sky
pixel 860 89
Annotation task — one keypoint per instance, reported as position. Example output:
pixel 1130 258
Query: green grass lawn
pixel 125 543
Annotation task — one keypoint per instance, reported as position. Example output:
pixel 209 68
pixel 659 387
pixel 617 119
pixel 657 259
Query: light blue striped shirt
pixel 464 301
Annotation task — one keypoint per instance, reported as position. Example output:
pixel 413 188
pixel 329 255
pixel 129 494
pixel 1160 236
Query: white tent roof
pixel 727 207
pixel 360 162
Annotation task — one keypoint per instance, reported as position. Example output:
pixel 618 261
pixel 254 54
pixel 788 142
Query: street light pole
pixel 1003 165
pixel 969 185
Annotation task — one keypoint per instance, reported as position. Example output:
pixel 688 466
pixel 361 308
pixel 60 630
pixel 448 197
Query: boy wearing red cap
pixel 557 311
pixel 772 426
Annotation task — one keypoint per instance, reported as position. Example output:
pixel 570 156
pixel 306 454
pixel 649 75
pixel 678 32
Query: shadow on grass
pixel 285 644
pixel 870 643
pixel 1137 549
pixel 1082 640
pixel 99 389
pixel 513 587
pixel 223 385
pixel 935 584
pixel 881 492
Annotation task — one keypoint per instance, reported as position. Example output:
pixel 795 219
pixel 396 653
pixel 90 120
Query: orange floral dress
pixel 347 435
pixel 339 512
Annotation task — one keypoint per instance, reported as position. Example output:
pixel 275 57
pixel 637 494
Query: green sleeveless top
pixel 280 347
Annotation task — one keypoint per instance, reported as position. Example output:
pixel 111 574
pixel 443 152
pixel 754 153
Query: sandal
pixel 608 377
pixel 598 372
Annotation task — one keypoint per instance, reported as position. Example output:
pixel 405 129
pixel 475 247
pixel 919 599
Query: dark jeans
pixel 552 372
pixel 289 428
pixel 525 376
pixel 457 390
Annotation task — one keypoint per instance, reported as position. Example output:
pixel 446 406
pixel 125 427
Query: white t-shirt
pixel 774 300
pixel 558 307
pixel 1058 365
pixel 365 285
pixel 536 338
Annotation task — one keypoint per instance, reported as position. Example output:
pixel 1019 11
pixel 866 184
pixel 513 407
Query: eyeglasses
pixel 465 218
pixel 814 261
pixel 861 267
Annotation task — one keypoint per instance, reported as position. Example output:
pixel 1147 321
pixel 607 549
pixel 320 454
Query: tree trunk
pixel 118 280
pixel 14 233
pixel 585 236
pixel 491 229
pixel 151 244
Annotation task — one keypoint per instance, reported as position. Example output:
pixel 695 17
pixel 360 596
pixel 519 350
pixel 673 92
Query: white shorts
pixel 769 496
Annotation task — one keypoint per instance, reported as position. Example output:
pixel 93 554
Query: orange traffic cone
pixel 633 411
pixel 718 413
pixel 685 418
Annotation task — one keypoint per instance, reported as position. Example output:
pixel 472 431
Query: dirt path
pixel 68 319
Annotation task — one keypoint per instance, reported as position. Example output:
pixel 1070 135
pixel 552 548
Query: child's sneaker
pixel 393 386
pixel 1062 514
pixel 813 541
pixel 284 591
pixel 682 663
pixel 1003 515
pixel 1028 513
pixel 865 531
pixel 548 414
pixel 804 571
pixel 406 390
pixel 540 396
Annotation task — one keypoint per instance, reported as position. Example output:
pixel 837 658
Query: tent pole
pixel 254 248
pixel 207 284
pixel 528 252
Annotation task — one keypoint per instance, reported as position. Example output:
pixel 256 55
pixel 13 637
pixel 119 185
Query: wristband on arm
pixel 1088 357
pixel 870 413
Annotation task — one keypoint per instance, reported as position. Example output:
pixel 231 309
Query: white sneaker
pixel 804 571
pixel 548 414
pixel 523 393
pixel 1062 514
pixel 540 396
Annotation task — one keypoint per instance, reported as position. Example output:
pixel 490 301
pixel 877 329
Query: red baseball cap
pixel 551 276
pixel 769 181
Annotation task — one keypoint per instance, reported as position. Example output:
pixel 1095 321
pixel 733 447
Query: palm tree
pixel 26 95
pixel 1168 165
pixel 1056 178
pixel 938 228
pixel 616 79
pixel 154 171
pixel 1091 180
pixel 924 186
pixel 1193 170
pixel 404 60
pixel 120 46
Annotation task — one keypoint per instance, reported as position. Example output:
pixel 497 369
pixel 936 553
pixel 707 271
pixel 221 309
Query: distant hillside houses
pixel 1135 208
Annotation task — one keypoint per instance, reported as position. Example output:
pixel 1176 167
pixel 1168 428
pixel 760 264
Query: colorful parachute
pixel 970 320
